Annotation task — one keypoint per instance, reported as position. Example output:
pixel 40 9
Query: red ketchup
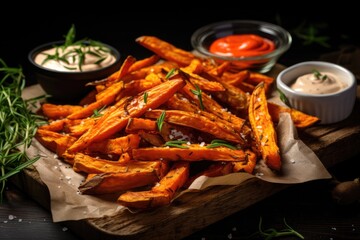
pixel 242 45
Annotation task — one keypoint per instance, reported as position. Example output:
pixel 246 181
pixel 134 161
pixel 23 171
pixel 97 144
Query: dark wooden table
pixel 308 208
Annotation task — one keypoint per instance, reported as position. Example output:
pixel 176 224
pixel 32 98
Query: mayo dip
pixel 91 61
pixel 321 83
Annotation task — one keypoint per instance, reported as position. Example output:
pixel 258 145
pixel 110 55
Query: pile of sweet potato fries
pixel 152 127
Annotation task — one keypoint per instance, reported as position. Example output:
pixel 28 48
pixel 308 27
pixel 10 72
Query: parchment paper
pixel 299 165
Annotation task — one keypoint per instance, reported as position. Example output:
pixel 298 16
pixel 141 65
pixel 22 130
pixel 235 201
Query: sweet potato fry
pixel 256 78
pixel 107 97
pixel 87 164
pixel 263 128
pixel 118 145
pixel 204 83
pixel 214 170
pixel 162 193
pixel 54 112
pixel 166 50
pixel 124 69
pixel 142 63
pixel 61 125
pixel 136 124
pixel 198 122
pixel 300 119
pixel 54 141
pixel 118 181
pixel 246 166
pixel 192 152
pixel 210 105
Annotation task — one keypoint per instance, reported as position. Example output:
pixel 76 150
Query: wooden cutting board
pixel 332 143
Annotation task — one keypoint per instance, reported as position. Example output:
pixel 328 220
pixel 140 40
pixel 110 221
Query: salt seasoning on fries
pixel 145 126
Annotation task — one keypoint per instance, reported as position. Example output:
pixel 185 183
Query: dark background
pixel 119 26
pixel 23 26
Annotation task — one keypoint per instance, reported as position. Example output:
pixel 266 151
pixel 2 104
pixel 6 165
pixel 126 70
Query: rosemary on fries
pixel 18 124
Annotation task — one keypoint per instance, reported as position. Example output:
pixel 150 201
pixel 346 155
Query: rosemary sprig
pixel 220 143
pixel 198 93
pixel 170 73
pixel 80 50
pixel 160 120
pixel 97 112
pixel 18 124
pixel 272 233
pixel 176 143
pixel 283 98
pixel 145 97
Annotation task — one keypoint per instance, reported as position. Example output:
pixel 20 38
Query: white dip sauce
pixel 318 83
pixel 72 58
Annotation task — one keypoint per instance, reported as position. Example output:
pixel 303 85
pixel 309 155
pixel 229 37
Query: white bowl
pixel 331 107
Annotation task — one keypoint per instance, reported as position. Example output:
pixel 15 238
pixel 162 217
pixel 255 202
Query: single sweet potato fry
pixel 263 128
pixel 166 50
pixel 143 63
pixel 56 111
pixel 214 170
pixel 162 193
pixel 300 119
pixel 192 152
pixel 136 124
pixel 118 181
pixel 197 121
pixel 118 145
pixel 87 164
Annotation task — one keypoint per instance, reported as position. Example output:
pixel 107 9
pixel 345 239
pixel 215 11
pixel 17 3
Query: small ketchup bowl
pixel 330 107
pixel 247 44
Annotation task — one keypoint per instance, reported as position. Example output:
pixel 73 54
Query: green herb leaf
pixel 319 76
pixel 70 36
pixel 283 98
pixel 170 73
pixel 160 120
pixel 177 144
pixel 220 143
pixel 198 93
pixel 145 97
pixel 97 112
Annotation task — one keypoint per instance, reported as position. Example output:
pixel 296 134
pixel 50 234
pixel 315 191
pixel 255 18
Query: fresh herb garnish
pixel 160 120
pixel 18 124
pixel 176 143
pixel 220 143
pixel 78 52
pixel 198 93
pixel 97 112
pixel 319 76
pixel 145 97
pixel 271 233
pixel 170 73
pixel 283 98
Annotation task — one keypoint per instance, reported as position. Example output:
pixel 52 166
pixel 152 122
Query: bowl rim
pixel 33 52
pixel 284 86
pixel 201 32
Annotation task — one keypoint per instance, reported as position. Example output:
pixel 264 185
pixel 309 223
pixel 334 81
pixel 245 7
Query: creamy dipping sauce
pixel 94 57
pixel 318 83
